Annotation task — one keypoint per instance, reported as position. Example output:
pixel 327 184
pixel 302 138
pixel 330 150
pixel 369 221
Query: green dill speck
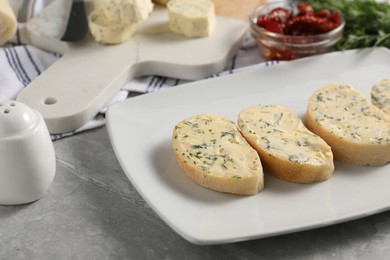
pixel 267 142
pixel 223 134
pixel 278 118
pixel 293 158
pixel 199 146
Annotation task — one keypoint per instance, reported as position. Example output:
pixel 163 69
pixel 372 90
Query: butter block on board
pixel 127 11
pixel 109 32
pixel 8 22
pixel 114 21
pixel 191 18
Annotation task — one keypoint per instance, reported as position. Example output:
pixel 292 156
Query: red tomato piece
pixel 279 14
pixel 322 13
pixel 304 9
pixel 274 21
pixel 306 22
pixel 304 25
pixel 273 26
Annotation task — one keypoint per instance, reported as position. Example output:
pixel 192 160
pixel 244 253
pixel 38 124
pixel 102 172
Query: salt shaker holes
pixel 7 110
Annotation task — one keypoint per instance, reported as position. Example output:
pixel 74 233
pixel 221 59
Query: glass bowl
pixel 275 46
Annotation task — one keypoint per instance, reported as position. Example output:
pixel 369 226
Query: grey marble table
pixel 92 211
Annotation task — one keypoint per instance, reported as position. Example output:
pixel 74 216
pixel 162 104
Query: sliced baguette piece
pixel 212 153
pixel 380 95
pixel 286 147
pixel 357 131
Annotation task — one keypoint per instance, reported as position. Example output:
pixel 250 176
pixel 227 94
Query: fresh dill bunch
pixel 367 22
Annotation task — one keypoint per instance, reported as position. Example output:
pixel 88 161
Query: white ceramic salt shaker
pixel 27 157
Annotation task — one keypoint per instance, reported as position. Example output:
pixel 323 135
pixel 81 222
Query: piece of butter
pixel 8 22
pixel 127 11
pixel 109 32
pixel 192 18
pixel 114 21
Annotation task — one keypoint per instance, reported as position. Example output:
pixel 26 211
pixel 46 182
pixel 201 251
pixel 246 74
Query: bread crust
pixel 277 162
pixel 346 148
pixel 241 183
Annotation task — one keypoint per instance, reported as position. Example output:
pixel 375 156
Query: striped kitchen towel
pixel 21 63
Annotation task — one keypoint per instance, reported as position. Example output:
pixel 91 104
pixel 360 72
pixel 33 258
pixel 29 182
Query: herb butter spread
pixel 191 18
pixel 357 131
pixel 380 95
pixel 114 21
pixel 127 11
pixel 109 32
pixel 212 153
pixel 280 137
pixel 8 23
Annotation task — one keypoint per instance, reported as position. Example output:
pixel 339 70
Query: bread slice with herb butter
pixel 380 95
pixel 357 131
pixel 286 147
pixel 212 153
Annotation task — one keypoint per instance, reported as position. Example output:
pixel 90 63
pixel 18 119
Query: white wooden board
pixel 72 90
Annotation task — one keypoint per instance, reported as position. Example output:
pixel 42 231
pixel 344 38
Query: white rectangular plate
pixel 140 131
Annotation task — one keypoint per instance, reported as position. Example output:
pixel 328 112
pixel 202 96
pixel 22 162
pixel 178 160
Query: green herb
pixel 227 133
pixel 293 158
pixel 367 22
pixel 303 143
pixel 267 142
pixel 278 118
pixel 199 146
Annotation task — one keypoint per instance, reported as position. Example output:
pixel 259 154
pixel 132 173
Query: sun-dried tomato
pixel 306 25
pixel 279 15
pixel 304 9
pixel 322 13
pixel 305 22
pixel 273 26
pixel 274 21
